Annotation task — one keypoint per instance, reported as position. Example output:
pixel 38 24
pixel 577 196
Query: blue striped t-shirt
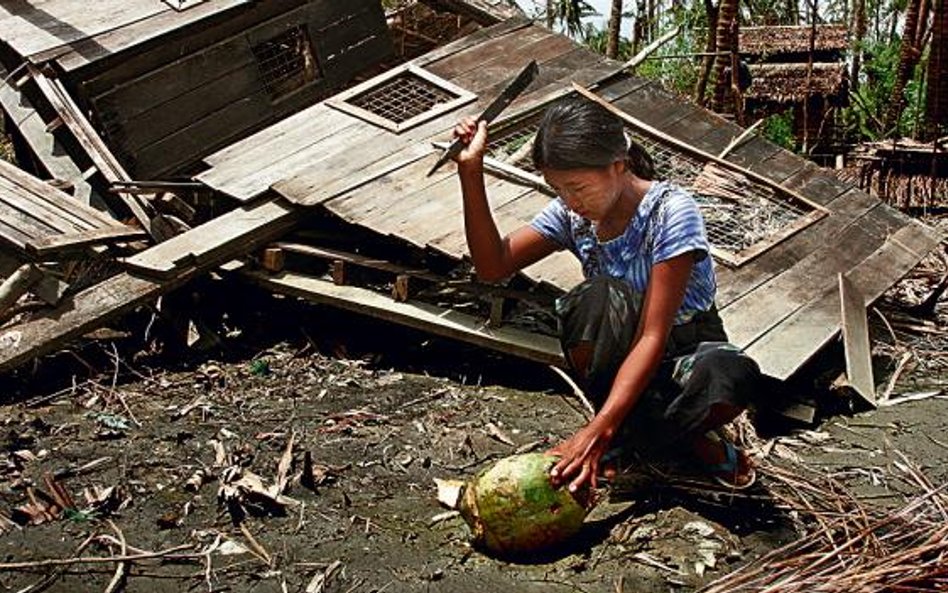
pixel 666 224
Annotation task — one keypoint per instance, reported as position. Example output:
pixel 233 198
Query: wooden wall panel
pixel 167 118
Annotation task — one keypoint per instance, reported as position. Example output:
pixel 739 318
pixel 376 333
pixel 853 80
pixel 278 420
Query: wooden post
pixel 401 290
pixel 496 311
pixel 339 273
pixel 273 259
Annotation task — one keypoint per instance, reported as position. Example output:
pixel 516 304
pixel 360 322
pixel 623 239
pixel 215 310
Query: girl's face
pixel 591 193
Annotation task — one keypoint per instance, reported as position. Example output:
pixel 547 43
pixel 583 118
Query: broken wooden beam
pixel 87 137
pixel 232 234
pixel 17 284
pixel 856 346
pixel 91 308
pixel 422 316
pixel 48 288
pixel 57 244
pixel 28 123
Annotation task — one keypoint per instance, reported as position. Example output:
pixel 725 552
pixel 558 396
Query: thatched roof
pixel 787 83
pixel 769 41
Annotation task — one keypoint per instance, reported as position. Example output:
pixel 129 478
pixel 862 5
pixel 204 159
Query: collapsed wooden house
pixel 166 83
pixel 786 75
pixel 341 186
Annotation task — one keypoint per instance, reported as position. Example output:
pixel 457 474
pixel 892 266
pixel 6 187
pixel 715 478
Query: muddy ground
pixel 380 412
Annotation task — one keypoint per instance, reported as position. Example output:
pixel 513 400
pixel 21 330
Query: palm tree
pixel 711 14
pixel 908 59
pixel 569 14
pixel 859 38
pixel 615 24
pixel 936 99
pixel 726 39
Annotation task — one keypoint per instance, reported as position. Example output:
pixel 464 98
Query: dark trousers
pixel 700 368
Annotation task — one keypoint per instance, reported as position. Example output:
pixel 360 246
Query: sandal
pixel 726 473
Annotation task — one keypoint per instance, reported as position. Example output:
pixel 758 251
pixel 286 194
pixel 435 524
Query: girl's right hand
pixel 474 135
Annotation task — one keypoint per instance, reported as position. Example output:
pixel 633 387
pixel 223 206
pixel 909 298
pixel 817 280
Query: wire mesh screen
pixel 739 213
pixel 513 144
pixel 402 97
pixel 287 61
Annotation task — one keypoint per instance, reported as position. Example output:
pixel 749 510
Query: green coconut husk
pixel 513 508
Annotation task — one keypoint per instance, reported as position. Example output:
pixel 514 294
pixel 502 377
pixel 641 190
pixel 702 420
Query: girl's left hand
pixel 580 456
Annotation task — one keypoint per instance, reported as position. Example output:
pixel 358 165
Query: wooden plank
pixel 543 49
pixel 44 201
pixel 133 130
pixel 171 45
pixel 103 45
pixel 789 345
pixel 66 205
pixel 276 142
pixel 32 128
pixel 77 315
pixel 188 145
pixel 448 236
pixel 351 44
pixel 73 118
pixel 422 316
pixel 90 141
pixel 143 94
pixel 758 311
pixel 16 285
pixel 482 11
pixel 398 194
pixel 243 179
pixel 17 233
pixel 858 352
pixel 237 232
pixel 695 127
pixel 476 38
pixel 30 207
pixel 475 56
pixel 654 105
pixel 735 283
pixel 560 270
pixel 32 28
pixel 54 244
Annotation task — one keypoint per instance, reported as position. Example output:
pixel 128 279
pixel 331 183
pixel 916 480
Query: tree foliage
pixel 886 87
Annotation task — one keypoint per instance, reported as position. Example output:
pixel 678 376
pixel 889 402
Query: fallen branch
pixel 167 553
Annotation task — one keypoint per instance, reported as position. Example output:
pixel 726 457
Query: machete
pixel 505 98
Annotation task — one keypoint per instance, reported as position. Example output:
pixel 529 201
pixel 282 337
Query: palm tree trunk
pixel 615 24
pixel 727 15
pixel 908 58
pixel 859 38
pixel 710 47
pixel 638 28
pixel 936 98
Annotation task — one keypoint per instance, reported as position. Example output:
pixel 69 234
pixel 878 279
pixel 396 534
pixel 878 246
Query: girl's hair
pixel 577 133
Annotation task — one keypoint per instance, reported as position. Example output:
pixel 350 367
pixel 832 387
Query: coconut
pixel 512 507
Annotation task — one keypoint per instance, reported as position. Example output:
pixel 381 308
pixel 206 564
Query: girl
pixel 641 333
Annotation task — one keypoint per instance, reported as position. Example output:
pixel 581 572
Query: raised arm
pixel 495 257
